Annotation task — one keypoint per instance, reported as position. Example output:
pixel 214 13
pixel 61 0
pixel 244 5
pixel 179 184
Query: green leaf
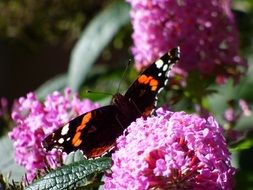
pixel 245 123
pixel 244 180
pixel 69 175
pixel 218 102
pixel 56 83
pixel 242 145
pixel 7 163
pixel 229 91
pixel 94 38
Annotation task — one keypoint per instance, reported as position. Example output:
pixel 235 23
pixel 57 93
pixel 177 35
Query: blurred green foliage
pixel 51 21
pixel 243 10
pixel 32 23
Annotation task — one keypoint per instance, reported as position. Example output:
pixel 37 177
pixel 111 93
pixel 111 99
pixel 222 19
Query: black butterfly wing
pixel 145 88
pixel 93 132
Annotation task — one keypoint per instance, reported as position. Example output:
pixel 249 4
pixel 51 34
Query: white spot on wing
pixel 160 90
pixel 165 67
pixel 159 63
pixel 108 151
pixel 65 129
pixel 159 74
pixel 171 66
pixel 61 140
pixel 68 139
pixel 165 82
pixel 155 103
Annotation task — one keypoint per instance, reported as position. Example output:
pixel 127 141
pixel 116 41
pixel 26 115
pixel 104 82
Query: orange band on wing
pixel 153 83
pixel 85 120
pixel 142 79
pixel 76 141
pixel 153 88
pixel 97 152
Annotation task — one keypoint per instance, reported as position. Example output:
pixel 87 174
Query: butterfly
pixel 95 132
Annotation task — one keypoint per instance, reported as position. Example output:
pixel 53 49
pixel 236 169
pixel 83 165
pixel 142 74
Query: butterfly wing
pixel 145 88
pixel 93 132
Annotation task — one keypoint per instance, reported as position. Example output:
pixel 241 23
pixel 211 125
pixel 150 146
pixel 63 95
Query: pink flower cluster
pixel 171 151
pixel 205 31
pixel 35 120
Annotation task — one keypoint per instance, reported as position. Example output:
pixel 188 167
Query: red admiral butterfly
pixel 95 132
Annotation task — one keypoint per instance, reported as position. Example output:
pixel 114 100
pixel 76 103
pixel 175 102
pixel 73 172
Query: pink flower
pixel 230 115
pixel 35 120
pixel 171 151
pixel 245 108
pixel 205 31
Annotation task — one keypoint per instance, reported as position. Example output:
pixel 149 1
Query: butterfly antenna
pixel 97 92
pixel 124 74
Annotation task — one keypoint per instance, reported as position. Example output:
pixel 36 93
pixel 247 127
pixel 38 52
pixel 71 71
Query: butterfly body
pixel 95 132
pixel 127 110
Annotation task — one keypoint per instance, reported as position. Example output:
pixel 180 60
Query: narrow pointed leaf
pixel 56 83
pixel 69 175
pixel 242 145
pixel 7 163
pixel 94 38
